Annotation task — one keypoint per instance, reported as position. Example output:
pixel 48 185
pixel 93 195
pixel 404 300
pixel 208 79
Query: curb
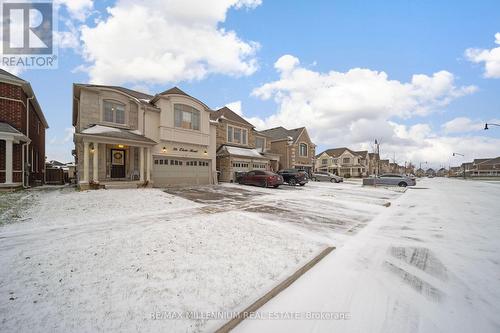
pixel 230 325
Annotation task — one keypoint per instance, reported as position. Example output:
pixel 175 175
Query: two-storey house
pixel 128 138
pixel 343 162
pixel 240 148
pixel 295 148
pixel 22 134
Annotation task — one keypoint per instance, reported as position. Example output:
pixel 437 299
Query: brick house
pixel 295 148
pixel 22 134
pixel 240 148
pixel 343 162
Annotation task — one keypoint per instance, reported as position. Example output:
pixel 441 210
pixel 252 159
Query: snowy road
pixel 429 263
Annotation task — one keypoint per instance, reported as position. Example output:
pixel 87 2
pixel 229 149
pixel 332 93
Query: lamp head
pixel 485 127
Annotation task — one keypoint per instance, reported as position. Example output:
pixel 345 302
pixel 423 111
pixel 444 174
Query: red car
pixel 261 178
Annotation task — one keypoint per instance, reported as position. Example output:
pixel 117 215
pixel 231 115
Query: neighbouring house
pixel 454 171
pixel 430 172
pixel 22 134
pixel 420 172
pixel 442 172
pixel 294 148
pixel 343 162
pixel 466 168
pixel 128 138
pixel 385 166
pixel 240 148
pixel 486 167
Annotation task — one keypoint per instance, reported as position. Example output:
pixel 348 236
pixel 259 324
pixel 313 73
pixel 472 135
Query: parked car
pixel 321 176
pixel 293 177
pixel 395 179
pixel 261 178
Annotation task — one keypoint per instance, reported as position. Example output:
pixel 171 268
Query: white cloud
pixel 236 107
pixel 490 57
pixel 166 41
pixel 78 9
pixel 356 107
pixel 462 125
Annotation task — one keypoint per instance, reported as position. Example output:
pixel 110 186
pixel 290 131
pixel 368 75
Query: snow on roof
pixel 243 152
pixel 99 129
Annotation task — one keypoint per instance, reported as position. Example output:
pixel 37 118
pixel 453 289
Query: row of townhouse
pixel 172 138
pixel 480 167
pixel 349 163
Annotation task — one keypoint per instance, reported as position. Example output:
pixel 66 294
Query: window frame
pixel 195 114
pixel 306 146
pixel 263 148
pixel 243 134
pixel 114 113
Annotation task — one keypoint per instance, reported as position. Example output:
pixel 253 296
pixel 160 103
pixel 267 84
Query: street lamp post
pixel 455 154
pixel 490 124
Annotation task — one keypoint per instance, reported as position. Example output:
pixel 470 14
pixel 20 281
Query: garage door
pixel 169 171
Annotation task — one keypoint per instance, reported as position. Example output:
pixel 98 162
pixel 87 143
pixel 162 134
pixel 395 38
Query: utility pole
pixel 455 154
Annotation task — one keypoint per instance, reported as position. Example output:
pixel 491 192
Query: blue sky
pixel 400 38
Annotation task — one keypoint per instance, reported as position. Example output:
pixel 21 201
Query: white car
pixel 326 176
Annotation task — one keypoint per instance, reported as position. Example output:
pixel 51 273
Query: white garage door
pixel 169 171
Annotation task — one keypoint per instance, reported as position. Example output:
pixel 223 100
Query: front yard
pixel 107 260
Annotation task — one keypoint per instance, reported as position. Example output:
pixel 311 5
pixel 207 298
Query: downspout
pixel 28 99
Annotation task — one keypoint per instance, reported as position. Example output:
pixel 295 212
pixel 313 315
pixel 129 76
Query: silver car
pixel 322 176
pixel 395 179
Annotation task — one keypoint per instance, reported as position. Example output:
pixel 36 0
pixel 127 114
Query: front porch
pixel 109 162
pixel 11 157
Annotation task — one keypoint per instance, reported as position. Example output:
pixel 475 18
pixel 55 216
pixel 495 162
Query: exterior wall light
pixel 206 153
pixel 164 149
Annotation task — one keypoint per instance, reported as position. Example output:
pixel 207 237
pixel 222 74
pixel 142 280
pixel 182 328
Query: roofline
pixel 28 90
pixel 158 96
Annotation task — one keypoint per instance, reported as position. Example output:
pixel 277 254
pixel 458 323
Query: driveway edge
pixel 230 325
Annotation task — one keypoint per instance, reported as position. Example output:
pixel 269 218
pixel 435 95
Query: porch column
pixel 148 164
pixel 141 163
pixel 8 161
pixel 85 178
pixel 95 160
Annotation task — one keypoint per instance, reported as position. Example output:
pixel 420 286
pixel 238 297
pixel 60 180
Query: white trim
pixel 240 128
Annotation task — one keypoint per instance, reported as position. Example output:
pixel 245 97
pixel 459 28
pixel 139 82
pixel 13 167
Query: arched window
pixel 186 117
pixel 303 149
pixel 114 112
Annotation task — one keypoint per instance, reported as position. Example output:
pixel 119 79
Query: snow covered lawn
pixel 429 263
pixel 107 260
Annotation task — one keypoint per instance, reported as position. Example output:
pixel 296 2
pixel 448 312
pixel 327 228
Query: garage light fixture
pixel 206 153
pixel 121 146
pixel 164 149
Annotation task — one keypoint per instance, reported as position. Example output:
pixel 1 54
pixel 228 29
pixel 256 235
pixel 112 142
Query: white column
pixel 141 164
pixel 8 161
pixel 148 164
pixel 85 178
pixel 95 160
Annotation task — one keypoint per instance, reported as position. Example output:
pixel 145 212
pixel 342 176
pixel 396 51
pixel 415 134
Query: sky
pixel 421 77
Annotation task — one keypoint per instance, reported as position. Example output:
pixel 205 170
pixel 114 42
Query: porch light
pixel 206 153
pixel 121 146
pixel 92 149
pixel 164 149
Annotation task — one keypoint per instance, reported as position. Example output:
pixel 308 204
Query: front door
pixel 117 163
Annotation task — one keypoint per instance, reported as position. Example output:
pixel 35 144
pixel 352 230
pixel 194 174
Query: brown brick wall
pixel 13 112
pixel 2 161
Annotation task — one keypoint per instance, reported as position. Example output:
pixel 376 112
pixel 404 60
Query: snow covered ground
pixel 429 263
pixel 112 260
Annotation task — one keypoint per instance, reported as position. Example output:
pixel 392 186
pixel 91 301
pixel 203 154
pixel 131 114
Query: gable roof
pixel 480 160
pixel 492 161
pixel 230 115
pixel 336 152
pixel 143 97
pixel 281 133
pixel 28 90
pixel 174 91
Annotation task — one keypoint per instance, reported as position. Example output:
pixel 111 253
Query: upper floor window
pixel 186 117
pixel 324 161
pixel 237 135
pixel 335 161
pixel 114 112
pixel 303 149
pixel 346 160
pixel 260 143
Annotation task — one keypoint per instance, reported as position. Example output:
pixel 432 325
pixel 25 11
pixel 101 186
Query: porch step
pixel 120 185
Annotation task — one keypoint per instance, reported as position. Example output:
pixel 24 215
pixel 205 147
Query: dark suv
pixel 294 176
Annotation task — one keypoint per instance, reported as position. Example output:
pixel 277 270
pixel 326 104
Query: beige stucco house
pixel 343 162
pixel 127 137
pixel 240 148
